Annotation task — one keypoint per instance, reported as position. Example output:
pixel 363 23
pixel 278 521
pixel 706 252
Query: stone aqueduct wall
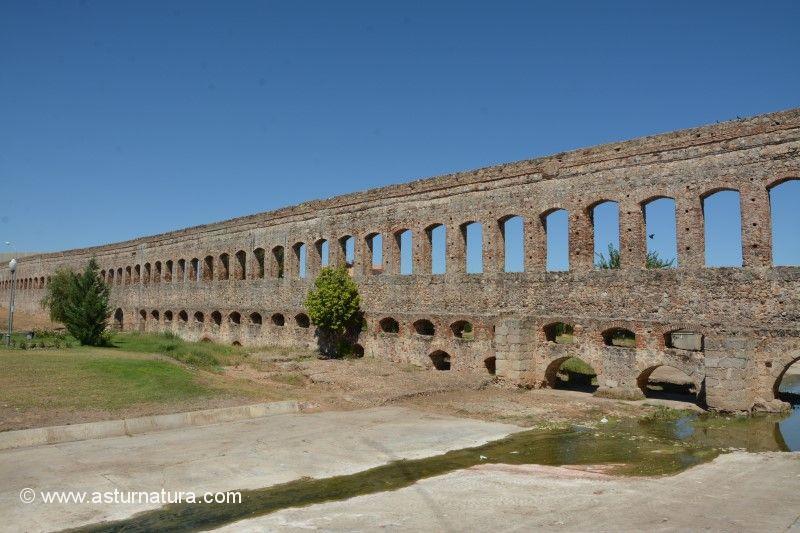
pixel 748 316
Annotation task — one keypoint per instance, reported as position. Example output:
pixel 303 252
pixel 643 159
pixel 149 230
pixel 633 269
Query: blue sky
pixel 125 119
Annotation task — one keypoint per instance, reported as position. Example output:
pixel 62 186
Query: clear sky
pixel 123 119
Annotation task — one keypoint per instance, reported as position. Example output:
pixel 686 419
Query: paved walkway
pixel 736 492
pixel 236 455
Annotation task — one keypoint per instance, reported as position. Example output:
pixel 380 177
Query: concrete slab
pixel 228 456
pixel 736 492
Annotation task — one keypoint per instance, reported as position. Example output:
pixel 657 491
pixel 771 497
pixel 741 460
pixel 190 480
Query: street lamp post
pixel 13 266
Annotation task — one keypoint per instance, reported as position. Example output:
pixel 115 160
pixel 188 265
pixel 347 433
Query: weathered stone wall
pixel 748 316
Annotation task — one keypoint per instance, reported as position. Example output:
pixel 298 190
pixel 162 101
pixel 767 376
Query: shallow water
pixel 789 427
pixel 656 445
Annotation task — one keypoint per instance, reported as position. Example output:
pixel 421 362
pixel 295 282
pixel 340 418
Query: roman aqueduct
pixel 733 330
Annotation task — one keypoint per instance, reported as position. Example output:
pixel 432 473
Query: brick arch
pixel 553 363
pixel 780 179
pixel 780 369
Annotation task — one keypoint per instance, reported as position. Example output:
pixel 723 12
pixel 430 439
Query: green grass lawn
pixel 207 355
pixel 96 379
pixel 138 374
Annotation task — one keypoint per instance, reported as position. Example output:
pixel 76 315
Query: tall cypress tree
pixel 80 301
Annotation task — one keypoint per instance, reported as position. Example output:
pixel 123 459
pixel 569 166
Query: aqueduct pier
pixel 244 280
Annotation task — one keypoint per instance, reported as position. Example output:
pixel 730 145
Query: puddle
pixel 661 444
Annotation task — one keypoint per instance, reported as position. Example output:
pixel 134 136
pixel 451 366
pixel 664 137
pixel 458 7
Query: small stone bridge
pixel 244 280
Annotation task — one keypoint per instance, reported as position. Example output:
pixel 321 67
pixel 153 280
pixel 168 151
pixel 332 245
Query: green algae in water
pixel 646 447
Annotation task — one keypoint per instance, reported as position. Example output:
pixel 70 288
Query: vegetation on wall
pixel 613 260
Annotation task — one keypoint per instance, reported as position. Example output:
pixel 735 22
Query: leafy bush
pixel 333 306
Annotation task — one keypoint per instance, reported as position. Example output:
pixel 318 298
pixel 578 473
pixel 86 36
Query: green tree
pixel 80 302
pixel 613 260
pixel 333 306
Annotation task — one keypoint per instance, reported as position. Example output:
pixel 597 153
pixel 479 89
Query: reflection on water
pixel 789 427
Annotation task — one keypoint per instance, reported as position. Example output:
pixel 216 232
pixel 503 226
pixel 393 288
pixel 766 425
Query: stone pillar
pixel 535 244
pixel 690 232
pixel 456 249
pixel 513 358
pixel 730 375
pixel 337 252
pixel 391 250
pixel 756 230
pixel 359 255
pixel 581 241
pixel 420 252
pixel 632 238
pixel 493 246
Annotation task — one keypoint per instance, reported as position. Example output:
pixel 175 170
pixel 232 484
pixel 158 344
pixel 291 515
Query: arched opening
pixel 240 266
pixel 118 279
pixel 347 249
pixel 255 319
pixel 621 337
pixel 276 268
pixel 490 364
pixel 199 317
pixel 403 240
pixel 216 318
pixel 258 255
pixel 278 320
pixel 235 318
pixel 389 325
pixel 374 242
pixel 302 320
pixel 194 270
pixel 236 343
pixel 424 327
pixel 440 360
pixel 358 351
pixel 560 333
pixel 556 227
pixel 127 275
pixel 183 317
pixel 512 228
pixel 224 267
pixel 463 330
pixel 157 272
pixel 154 314
pixel 437 240
pixel 167 316
pixel 787 386
pixel 571 373
pixel 119 319
pixel 661 230
pixel 323 252
pixel 208 268
pixel 147 273
pixel 668 383
pixel 299 250
pixel 472 234
pixel 722 221
pixel 783 201
pixel 168 266
pixel 605 225
pixel 180 273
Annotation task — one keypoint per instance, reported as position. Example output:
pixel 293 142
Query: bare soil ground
pixel 360 383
